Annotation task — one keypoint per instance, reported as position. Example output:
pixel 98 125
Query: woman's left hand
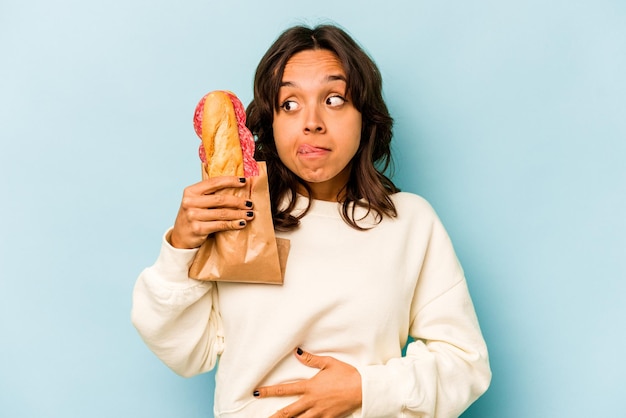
pixel 333 392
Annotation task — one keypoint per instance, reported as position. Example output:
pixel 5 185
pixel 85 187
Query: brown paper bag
pixel 250 254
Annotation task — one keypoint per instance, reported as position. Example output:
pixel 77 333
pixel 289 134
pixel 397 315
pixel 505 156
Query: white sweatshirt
pixel 354 295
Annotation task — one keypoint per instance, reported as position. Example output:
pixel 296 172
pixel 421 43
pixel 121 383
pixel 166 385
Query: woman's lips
pixel 308 150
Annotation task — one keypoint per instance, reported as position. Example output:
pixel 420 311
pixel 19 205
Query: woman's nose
pixel 314 122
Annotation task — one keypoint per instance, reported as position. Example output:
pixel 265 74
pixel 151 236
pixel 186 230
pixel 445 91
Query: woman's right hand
pixel 202 212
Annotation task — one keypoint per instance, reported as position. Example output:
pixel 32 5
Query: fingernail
pixel 242 179
pixel 256 393
pixel 248 204
pixel 299 351
pixel 249 214
pixel 242 223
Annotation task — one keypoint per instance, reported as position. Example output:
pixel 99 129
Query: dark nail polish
pixel 256 393
pixel 249 214
pixel 242 179
pixel 299 351
pixel 248 204
pixel 242 223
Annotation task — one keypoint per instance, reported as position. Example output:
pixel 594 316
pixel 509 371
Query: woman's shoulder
pixel 411 201
pixel 411 207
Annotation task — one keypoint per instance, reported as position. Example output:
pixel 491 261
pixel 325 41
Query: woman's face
pixel 317 129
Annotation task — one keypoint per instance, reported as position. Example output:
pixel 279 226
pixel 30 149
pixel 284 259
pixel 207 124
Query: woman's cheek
pixel 281 138
pixel 284 153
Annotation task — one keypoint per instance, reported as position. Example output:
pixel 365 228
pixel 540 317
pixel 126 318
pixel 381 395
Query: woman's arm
pixel 442 373
pixel 178 317
pixel 446 368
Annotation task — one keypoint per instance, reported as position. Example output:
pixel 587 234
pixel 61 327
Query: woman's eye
pixel 289 106
pixel 335 101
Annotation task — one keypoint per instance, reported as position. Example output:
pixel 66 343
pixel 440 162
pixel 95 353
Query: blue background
pixel 510 120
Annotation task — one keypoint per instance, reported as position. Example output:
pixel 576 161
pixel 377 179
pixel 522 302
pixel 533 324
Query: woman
pixel 369 266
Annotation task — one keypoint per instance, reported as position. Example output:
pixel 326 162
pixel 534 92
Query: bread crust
pixel 220 137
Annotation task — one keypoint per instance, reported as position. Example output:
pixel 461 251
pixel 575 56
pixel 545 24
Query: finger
pixel 195 233
pixel 311 360
pixel 296 409
pixel 213 184
pixel 204 229
pixel 286 389
pixel 192 200
pixel 221 214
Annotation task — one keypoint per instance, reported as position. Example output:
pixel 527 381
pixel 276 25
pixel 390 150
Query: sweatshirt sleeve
pixel 178 317
pixel 446 367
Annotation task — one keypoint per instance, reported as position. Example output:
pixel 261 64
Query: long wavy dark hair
pixel 367 187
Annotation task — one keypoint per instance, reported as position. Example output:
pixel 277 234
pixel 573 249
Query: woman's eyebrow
pixel 337 77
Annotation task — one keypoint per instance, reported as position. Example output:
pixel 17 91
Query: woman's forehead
pixel 319 63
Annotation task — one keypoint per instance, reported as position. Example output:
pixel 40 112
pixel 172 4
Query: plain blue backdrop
pixel 510 119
